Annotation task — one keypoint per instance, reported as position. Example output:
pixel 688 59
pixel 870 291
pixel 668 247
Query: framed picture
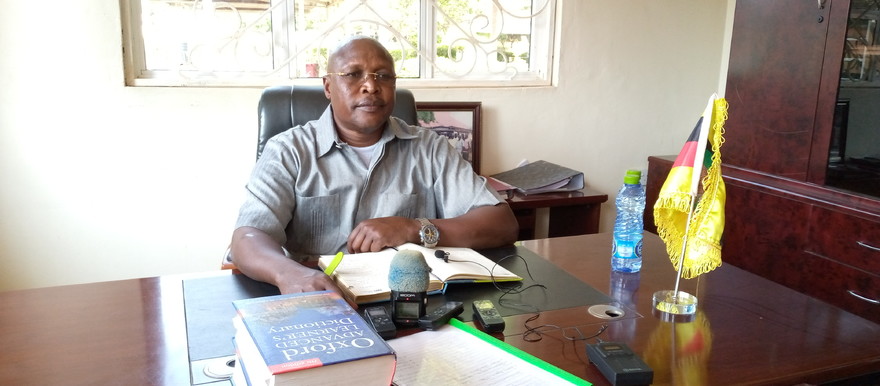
pixel 459 122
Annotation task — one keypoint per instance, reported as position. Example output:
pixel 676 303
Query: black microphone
pixel 408 278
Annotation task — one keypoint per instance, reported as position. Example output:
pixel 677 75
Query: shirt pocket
pixel 399 204
pixel 316 225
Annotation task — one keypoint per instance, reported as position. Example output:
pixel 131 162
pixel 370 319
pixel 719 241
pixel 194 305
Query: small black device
pixel 619 364
pixel 380 320
pixel 488 316
pixel 441 315
pixel 408 307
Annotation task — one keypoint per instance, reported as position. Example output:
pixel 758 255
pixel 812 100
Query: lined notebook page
pixel 451 355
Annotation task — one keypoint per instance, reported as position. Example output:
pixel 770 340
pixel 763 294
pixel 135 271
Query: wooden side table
pixel 571 213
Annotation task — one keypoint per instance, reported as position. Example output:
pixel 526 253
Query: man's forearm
pixel 485 227
pixel 258 256
pixel 261 258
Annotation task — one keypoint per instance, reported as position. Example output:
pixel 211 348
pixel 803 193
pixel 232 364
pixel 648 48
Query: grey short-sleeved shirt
pixel 308 190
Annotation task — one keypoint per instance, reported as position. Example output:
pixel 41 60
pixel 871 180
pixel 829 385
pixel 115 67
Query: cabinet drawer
pixel 850 289
pixel 844 238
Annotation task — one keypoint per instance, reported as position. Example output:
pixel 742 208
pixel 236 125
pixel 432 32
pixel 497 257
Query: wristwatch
pixel 429 234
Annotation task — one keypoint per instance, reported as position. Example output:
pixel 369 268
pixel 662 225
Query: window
pixel 264 42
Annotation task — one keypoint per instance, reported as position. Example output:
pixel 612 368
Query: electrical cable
pixel 532 333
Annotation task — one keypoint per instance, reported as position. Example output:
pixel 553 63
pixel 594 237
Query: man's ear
pixel 326 86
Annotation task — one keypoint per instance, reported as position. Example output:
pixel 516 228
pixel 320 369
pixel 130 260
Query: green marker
pixel 333 264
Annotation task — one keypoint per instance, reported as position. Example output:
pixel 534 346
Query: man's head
pixel 360 84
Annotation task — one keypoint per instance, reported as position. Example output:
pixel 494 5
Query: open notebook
pixel 363 277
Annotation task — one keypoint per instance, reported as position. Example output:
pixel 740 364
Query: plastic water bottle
pixel 626 252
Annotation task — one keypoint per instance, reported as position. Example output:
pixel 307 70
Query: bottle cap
pixel 632 177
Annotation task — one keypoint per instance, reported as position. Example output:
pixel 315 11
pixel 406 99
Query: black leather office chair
pixel 283 107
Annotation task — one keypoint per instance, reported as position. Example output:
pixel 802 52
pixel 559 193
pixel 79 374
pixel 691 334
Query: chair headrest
pixel 283 107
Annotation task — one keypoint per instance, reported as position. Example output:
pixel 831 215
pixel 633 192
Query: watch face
pixel 429 234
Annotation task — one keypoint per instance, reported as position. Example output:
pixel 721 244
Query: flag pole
pixel 687 226
pixel 702 143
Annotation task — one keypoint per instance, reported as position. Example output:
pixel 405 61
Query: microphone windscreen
pixel 408 272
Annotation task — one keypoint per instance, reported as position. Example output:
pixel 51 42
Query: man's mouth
pixel 370 105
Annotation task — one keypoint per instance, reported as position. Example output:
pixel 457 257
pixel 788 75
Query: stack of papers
pixel 542 177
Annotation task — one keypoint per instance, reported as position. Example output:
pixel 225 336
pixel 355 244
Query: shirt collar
pixel 328 138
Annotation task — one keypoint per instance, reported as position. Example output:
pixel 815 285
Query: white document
pixel 450 356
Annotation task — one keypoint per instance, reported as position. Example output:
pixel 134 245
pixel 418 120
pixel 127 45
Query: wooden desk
pixel 756 332
pixel 570 213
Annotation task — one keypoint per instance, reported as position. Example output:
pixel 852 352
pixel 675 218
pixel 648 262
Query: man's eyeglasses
pixel 358 77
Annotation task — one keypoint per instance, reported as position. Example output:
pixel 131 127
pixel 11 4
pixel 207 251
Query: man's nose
pixel 370 85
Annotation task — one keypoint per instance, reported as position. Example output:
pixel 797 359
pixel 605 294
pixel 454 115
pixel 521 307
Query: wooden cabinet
pixel 756 238
pixel 813 239
pixel 658 169
pixel 783 223
pixel 783 75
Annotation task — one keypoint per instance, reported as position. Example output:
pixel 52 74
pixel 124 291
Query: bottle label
pixel 629 249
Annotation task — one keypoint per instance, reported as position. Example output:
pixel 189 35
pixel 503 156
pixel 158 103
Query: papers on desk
pixel 459 354
pixel 542 177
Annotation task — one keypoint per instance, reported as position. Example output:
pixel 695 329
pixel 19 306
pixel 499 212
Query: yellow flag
pixel 676 216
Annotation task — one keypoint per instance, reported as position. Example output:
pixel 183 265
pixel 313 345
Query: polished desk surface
pixel 751 331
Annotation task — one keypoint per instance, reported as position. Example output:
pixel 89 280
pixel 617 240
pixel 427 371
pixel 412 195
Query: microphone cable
pixel 531 333
pixel 536 333
pixel 513 287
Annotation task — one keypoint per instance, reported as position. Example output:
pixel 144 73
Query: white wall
pixel 105 182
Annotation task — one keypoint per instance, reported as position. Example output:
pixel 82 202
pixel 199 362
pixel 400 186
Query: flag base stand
pixel 675 302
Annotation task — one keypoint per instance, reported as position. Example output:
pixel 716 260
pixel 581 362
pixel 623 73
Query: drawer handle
pixel 869 246
pixel 869 300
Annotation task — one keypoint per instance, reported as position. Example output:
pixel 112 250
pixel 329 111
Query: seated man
pixel 359 180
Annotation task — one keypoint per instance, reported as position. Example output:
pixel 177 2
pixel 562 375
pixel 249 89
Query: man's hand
pixel 303 279
pixel 261 258
pixel 376 234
